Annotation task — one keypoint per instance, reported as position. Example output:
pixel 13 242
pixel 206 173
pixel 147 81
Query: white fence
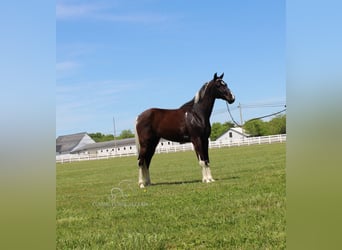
pixel 177 148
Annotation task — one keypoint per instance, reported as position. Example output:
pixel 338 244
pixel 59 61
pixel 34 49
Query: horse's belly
pixel 177 138
pixel 175 134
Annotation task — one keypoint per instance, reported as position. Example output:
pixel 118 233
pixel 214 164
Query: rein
pixel 260 117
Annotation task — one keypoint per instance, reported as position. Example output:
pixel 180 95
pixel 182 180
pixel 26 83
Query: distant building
pixel 82 144
pixel 123 146
pixel 67 144
pixel 233 134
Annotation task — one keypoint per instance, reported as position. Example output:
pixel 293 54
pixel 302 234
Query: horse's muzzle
pixel 231 99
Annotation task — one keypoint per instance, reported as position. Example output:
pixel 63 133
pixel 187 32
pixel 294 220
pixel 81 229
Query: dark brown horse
pixel 189 123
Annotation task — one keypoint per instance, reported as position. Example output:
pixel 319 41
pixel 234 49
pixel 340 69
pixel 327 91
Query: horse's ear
pixel 215 76
pixel 221 76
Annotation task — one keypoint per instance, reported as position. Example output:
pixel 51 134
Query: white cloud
pixel 80 106
pixel 103 12
pixel 66 66
pixel 91 97
pixel 67 11
pixel 132 18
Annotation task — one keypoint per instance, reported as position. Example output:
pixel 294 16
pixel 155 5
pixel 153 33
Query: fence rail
pixel 177 148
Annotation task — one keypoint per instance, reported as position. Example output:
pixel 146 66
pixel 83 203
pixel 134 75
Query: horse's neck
pixel 205 107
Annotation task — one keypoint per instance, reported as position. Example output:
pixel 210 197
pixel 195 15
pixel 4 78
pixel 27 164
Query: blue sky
pixel 118 58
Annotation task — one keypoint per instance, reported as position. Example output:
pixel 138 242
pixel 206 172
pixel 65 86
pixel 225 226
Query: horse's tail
pixel 137 142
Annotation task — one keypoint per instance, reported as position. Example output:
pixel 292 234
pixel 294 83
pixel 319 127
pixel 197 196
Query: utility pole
pixel 240 108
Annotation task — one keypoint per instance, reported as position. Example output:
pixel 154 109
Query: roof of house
pixel 66 143
pixel 107 144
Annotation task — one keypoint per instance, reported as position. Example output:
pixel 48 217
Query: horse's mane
pixel 199 95
pixel 189 104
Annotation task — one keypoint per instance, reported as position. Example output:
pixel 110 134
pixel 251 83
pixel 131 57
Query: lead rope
pixel 260 117
pixel 237 124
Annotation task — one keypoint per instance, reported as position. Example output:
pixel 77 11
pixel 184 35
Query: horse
pixel 189 123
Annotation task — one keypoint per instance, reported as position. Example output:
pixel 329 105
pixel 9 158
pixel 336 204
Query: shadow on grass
pixel 227 178
pixel 192 181
pixel 175 182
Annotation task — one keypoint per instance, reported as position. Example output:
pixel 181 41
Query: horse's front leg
pixel 206 172
pixel 201 147
pixel 208 177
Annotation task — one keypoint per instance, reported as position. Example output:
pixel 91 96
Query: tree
pixel 99 137
pixel 277 125
pixel 256 127
pixel 260 128
pixel 127 133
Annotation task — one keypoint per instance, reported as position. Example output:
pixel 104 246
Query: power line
pixel 249 106
pixel 256 118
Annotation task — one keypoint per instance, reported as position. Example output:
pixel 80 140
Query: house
pixel 233 134
pixel 82 144
pixel 67 144
pixel 113 147
pixel 118 147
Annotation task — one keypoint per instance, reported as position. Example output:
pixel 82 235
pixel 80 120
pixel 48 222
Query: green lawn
pixel 99 204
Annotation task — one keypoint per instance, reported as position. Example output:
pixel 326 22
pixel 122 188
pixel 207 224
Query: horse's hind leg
pixel 144 176
pixel 145 157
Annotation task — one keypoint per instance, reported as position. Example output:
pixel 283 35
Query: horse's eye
pixel 221 83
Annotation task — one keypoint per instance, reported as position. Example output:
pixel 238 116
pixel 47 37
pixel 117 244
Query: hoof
pixel 208 180
pixel 141 185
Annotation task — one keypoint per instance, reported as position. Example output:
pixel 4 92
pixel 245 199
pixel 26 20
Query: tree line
pixel 99 137
pixel 254 127
pixel 258 127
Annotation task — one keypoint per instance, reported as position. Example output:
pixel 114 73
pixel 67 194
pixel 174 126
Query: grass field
pixel 99 204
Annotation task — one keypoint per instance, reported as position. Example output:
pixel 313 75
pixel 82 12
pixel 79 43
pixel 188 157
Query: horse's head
pixel 221 90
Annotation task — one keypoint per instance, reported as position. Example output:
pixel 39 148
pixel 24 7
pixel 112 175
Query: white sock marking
pixel 206 172
pixel 141 177
pixel 144 176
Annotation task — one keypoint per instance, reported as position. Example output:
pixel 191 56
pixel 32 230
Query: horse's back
pixel 165 123
pixel 157 114
pixel 149 115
